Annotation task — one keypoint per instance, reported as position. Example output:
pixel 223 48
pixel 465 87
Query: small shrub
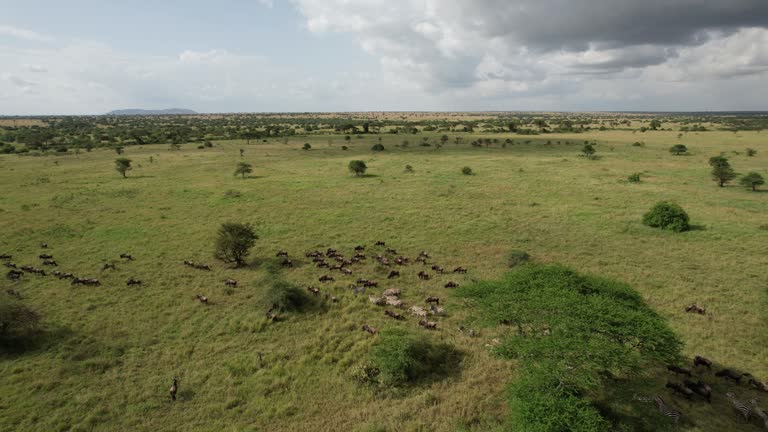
pixel 517 257
pixel 378 147
pixel 357 167
pixel 306 146
pixel 285 296
pixel 403 357
pixel 666 215
pixel 17 321
pixel 678 149
pixel 466 170
pixel 638 144
pixel 344 148
pixel 751 152
pixel 634 178
pixel 409 169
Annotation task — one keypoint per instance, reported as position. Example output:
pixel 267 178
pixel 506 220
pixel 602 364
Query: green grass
pixel 110 353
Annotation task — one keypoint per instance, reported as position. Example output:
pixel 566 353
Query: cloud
pixel 267 3
pixel 20 33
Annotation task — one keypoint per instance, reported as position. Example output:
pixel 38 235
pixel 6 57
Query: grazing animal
pixel 394 315
pixel 370 284
pixel 271 315
pixel 282 254
pixel 380 243
pixel 391 292
pixel 393 274
pixel 14 274
pixel 694 308
pixel 460 270
pixel 109 267
pixel 683 390
pixel 359 248
pixel 701 361
pixel 45 256
pixel 326 278
pixel 700 389
pixel 44 245
pixel 203 299
pixel 10 265
pixel 128 257
pixel 432 299
pixel 667 410
pixel 392 251
pixel 369 329
pixel 400 261
pixel 230 282
pixel 421 259
pixel 85 281
pixel 188 263
pixel 322 264
pixel 174 389
pixel 424 254
pixel 451 284
pixel 133 281
pixel 13 293
pixel 423 275
pixel 739 406
pixel 313 290
pixel 429 325
pixel 5 256
pixel 50 263
pixel 679 370
pixel 759 385
pixel 730 375
pixel 418 311
pixel 30 269
pixel 378 301
pixel 760 412
pixel 330 252
pixel 203 267
pixel 438 269
pixel 436 310
pixel 287 263
pixel 65 275
pixel 393 301
pixel 346 271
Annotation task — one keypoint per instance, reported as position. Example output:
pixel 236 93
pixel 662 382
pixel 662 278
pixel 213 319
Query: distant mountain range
pixel 169 111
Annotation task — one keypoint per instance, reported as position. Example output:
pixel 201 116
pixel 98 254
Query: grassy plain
pixel 110 352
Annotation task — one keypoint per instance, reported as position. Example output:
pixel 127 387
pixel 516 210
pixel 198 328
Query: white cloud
pixel 20 33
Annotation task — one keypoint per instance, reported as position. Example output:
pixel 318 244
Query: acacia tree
pixel 243 169
pixel 123 165
pixel 678 149
pixel 357 167
pixel 722 172
pixel 234 242
pixel 752 181
pixel 589 151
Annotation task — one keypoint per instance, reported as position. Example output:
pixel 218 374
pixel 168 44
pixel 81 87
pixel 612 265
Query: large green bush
pixel 569 332
pixel 403 357
pixel 285 296
pixel 17 321
pixel 667 215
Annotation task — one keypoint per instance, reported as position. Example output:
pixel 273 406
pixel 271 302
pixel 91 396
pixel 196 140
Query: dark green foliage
pixel 638 144
pixel 243 169
pixel 6 148
pixel 234 242
pixel 517 257
pixel 17 321
pixel 722 172
pixel 344 148
pixel 751 152
pixel 403 357
pixel 409 169
pixel 466 170
pixel 378 147
pixel 284 296
pixel 123 165
pixel 588 151
pixel 752 181
pixel 634 178
pixel 119 150
pixel 357 167
pixel 667 215
pixel 678 149
pixel 569 332
pixel 306 146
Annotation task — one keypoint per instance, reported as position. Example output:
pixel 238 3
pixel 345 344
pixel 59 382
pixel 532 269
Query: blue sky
pixel 89 57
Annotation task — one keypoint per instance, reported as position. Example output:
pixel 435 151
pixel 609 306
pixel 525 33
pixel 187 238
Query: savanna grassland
pixel 107 354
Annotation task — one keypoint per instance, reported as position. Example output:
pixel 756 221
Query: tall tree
pixel 234 242
pixel 243 169
pixel 123 165
pixel 752 180
pixel 722 172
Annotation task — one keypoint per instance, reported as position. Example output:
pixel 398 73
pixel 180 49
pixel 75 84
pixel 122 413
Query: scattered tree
pixel 678 149
pixel 242 151
pixel 655 125
pixel 589 151
pixel 667 215
pixel 722 172
pixel 409 169
pixel 378 147
pixel 751 152
pixel 634 178
pixel 306 146
pixel 357 167
pixel 752 181
pixel 243 169
pixel 123 165
pixel 466 170
pixel 234 242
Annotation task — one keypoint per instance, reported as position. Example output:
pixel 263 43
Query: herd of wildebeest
pixel 390 298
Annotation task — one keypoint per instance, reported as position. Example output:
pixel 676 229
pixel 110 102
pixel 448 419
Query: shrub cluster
pixel 667 215
pixel 401 357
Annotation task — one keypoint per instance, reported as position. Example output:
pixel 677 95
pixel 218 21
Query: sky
pixel 91 57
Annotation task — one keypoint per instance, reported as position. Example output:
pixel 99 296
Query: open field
pixel 110 352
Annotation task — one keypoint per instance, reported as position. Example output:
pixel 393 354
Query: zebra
pixel 760 413
pixel 739 406
pixel 667 410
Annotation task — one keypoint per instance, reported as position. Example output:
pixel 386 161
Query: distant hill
pixel 169 111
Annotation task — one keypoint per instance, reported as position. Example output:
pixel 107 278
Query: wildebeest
pixel 133 281
pixel 281 253
pixel 322 264
pixel 679 370
pixel 203 299
pixel 432 299
pixel 313 254
pixel 701 361
pixel 50 263
pixel 30 269
pixel 683 390
pixel 460 270
pixel 390 292
pixel 423 275
pixel 421 259
pixel 85 281
pixel 392 251
pixel 45 256
pixel 393 274
pixel 203 267
pixel 287 263
pixel 174 389
pixel 694 308
pixel 61 275
pixel 730 375
pixel 418 311
pixel 429 325
pixel 230 282
pixel 346 271
pixel 424 254
pixel 369 329
pixel 380 243
pixel 188 263
pixel 10 265
pixel 700 389
pixel 5 256
pixel 394 315
pixel 326 278
pixel 378 301
pixel 313 290
pixel 451 284
pixel 44 245
pixel 359 248
pixel 438 269
pixel 109 267
pixel 14 274
pixel 126 256
pixel 759 385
